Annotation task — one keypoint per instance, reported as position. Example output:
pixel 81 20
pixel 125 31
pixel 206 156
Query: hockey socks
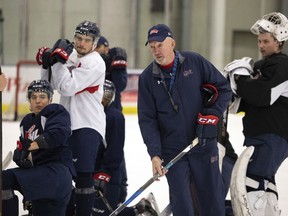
pixel 9 203
pixel 84 201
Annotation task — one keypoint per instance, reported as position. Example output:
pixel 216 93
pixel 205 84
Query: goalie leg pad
pixel 272 207
pixel 238 192
pixel 221 153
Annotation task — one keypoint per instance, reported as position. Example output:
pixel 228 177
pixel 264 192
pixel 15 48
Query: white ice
pixel 138 163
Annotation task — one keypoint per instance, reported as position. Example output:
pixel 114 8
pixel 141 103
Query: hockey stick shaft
pixel 105 201
pixel 7 160
pixel 152 179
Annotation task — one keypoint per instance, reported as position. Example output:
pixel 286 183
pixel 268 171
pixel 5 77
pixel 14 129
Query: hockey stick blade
pixel 154 178
pixel 151 198
pixel 7 160
pixel 166 211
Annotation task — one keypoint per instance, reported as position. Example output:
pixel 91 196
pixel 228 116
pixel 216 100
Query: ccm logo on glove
pixel 207 119
pixel 102 176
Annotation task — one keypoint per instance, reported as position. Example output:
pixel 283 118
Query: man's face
pixel 83 44
pixel 267 44
pixel 163 52
pixel 38 100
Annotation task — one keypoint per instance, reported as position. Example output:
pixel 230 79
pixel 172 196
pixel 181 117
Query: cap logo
pixel 153 31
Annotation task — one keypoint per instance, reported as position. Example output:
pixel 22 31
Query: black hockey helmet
pixel 40 86
pixel 88 28
pixel 109 91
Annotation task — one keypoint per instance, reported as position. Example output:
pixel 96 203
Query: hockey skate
pixel 145 208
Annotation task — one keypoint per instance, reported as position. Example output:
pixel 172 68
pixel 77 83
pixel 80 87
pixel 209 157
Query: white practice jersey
pixel 80 84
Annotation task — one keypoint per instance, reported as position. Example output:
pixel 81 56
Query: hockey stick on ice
pixel 7 160
pixel 154 178
pixel 151 198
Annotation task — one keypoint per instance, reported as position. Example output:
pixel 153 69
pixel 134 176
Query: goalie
pixel 262 93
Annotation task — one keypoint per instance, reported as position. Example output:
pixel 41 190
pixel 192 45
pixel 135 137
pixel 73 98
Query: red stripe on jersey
pixel 91 89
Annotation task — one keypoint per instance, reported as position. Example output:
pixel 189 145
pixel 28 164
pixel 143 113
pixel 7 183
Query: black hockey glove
pixel 101 180
pixel 61 51
pixel 209 94
pixel 207 127
pixel 23 144
pixel 118 58
pixel 43 57
pixel 21 153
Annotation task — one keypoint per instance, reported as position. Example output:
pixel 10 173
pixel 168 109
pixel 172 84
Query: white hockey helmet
pixel 275 23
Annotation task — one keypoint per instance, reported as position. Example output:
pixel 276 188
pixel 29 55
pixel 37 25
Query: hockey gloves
pixel 207 126
pixel 61 51
pixel 21 153
pixel 238 68
pixel 101 179
pixel 209 94
pixel 118 58
pixel 43 57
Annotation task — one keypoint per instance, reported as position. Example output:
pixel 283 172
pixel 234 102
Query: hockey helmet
pixel 275 23
pixel 109 91
pixel 40 86
pixel 88 28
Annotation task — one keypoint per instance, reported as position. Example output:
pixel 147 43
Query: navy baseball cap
pixel 159 33
pixel 102 41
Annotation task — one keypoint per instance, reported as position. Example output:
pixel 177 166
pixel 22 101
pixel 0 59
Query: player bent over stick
pixel 45 170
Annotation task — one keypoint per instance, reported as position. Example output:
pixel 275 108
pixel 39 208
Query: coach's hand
pixel 207 127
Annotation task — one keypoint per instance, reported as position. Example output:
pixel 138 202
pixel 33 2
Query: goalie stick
pixel 7 160
pixel 155 177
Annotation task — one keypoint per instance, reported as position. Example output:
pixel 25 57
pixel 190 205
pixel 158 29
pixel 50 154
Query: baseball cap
pixel 102 41
pixel 158 33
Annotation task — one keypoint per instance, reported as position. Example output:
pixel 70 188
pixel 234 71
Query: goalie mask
pixel 109 93
pixel 274 23
pixel 40 86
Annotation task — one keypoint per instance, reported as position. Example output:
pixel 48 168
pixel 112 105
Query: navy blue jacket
pixel 51 129
pixel 163 129
pixel 110 158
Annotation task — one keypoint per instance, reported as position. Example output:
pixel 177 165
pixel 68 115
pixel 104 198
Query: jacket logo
pixel 186 73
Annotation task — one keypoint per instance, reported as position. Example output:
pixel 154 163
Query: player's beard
pixel 82 51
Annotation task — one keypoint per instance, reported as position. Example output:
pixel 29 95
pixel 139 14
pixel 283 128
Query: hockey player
pixel 116 67
pixel 110 162
pixel 78 75
pixel 171 114
pixel 264 98
pixel 45 162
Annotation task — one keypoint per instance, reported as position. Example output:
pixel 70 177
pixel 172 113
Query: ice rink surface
pixel 138 163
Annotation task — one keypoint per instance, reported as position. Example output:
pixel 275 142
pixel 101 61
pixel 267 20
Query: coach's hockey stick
pixel 7 160
pixel 154 178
